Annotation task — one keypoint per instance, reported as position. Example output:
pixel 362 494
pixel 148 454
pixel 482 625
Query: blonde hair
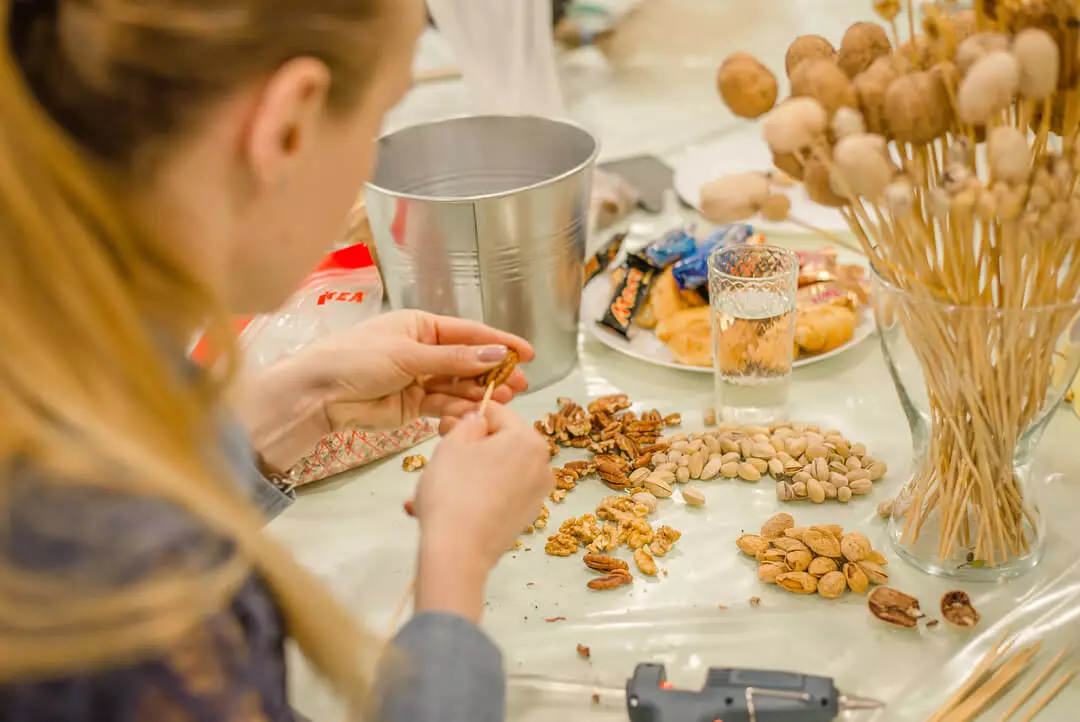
pixel 88 396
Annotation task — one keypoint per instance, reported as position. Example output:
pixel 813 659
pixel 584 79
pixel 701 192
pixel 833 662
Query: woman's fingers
pixel 447 331
pixel 471 389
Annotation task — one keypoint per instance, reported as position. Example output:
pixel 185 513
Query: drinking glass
pixel 752 295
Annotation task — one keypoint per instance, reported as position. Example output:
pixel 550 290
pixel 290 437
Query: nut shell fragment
pixel 957 610
pixel 894 607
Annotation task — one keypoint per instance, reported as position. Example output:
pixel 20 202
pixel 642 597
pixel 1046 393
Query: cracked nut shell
pixel 957 610
pixel 894 607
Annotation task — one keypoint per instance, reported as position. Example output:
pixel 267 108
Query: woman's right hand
pixel 484 485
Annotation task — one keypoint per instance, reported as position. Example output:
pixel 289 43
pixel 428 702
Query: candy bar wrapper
pixel 693 272
pixel 830 293
pixel 604 257
pixel 672 247
pixel 629 295
pixel 347 450
pixel 817 266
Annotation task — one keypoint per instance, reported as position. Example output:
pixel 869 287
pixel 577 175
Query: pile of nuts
pixel 821 559
pixel 619 520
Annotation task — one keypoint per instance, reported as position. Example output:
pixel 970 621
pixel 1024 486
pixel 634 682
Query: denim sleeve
pixel 444 670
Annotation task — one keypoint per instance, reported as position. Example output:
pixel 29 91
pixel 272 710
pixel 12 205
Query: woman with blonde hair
pixel 165 164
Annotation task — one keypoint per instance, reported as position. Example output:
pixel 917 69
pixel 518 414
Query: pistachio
pixel 877 470
pixel 798 582
pixel 832 585
pixel 858 475
pixel 796 446
pixel 885 508
pixel 856 578
pixel 728 446
pixel 894 607
pixel 853 463
pixel 792 467
pixel 697 464
pixel 760 465
pixel 863 486
pixel 693 497
pixel 843 495
pixel 746 448
pixel 799 490
pixel 858 450
pixel 784 492
pixel 801 477
pixel 819 469
pixel 638 476
pixel 752 544
pixel 795 532
pixel 763 450
pixel 830 489
pixel 837 467
pixel 816 452
pixel 769 571
pixel 659 458
pixel 838 480
pixel 815 491
pixel 877 558
pixel 821 566
pixel 658 487
pixel 821 543
pixel 682 476
pixel 776 468
pixel 711 470
pixel 747 472
pixel 958 611
pixel 730 470
pixel 645 498
pixel 834 529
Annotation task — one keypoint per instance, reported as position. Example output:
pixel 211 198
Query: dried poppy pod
pixel 1009 154
pixel 794 125
pixel 917 108
pixel 863 43
pixel 847 121
pixel 918 51
pixel 887 9
pixel 823 81
pixel 988 88
pixel 734 197
pixel 975 47
pixel 807 47
pixel 861 166
pixel 965 24
pixel 870 87
pixel 747 87
pixel 1037 54
pixel 818 185
pixel 1057 17
pixel 789 164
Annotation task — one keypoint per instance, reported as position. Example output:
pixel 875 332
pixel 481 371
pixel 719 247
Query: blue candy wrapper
pixel 677 244
pixel 692 272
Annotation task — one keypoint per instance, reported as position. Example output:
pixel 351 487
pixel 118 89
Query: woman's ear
pixel 286 119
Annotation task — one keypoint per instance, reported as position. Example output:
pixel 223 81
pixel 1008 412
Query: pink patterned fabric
pixel 347 450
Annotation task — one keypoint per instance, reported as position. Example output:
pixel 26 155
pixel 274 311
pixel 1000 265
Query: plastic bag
pixel 506 52
pixel 344 290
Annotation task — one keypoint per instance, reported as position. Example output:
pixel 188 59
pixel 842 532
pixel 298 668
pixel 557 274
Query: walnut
pixel 645 563
pixel 606 541
pixel 584 528
pixel 561 545
pixel 635 533
pixel 413 463
pixel 541 520
pixel 557 496
pixel 663 540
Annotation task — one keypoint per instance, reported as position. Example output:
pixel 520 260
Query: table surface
pixel 351 532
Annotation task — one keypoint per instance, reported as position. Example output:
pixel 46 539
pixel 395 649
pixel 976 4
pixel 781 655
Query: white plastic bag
pixel 343 291
pixel 506 52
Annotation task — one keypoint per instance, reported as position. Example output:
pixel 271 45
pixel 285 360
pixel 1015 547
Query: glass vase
pixel 978 385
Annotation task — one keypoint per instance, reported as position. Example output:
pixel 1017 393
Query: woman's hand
pixel 484 485
pixel 379 375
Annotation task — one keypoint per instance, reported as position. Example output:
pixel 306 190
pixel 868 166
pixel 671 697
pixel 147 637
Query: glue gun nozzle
pixel 848 702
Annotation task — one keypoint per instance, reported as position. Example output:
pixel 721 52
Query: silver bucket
pixel 486 218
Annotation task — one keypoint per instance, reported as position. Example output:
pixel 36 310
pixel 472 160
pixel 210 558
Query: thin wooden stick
pixel 987 663
pixel 487 397
pixel 986 693
pixel 1034 686
pixel 1054 691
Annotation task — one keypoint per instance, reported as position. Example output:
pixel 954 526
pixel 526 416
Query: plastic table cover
pixel 352 532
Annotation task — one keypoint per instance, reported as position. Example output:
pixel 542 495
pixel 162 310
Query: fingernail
pixel 491 354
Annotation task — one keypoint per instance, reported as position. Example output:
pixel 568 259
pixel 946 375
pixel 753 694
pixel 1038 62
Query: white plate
pixel 644 345
pixel 745 151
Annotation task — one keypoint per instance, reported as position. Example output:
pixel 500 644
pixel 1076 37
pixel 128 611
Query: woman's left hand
pixel 379 375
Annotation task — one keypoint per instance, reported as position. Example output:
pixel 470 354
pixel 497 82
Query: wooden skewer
pixel 1034 686
pixel 988 692
pixel 987 663
pixel 487 397
pixel 1054 691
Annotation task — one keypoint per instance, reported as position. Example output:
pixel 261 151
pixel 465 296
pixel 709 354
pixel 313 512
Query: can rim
pixel 577 169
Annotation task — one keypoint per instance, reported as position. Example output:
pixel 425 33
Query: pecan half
pixel 614 580
pixel 498 375
pixel 605 563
